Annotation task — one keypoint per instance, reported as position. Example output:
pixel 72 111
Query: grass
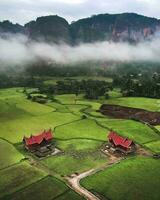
pixel 19 117
pixel 94 105
pixel 58 107
pixel 76 109
pixel 154 146
pixel 158 127
pixel 70 99
pixel 79 155
pixel 93 113
pixel 15 130
pixel 86 128
pixel 66 98
pixel 9 111
pixel 11 93
pixel 33 108
pixel 72 162
pixel 89 107
pixel 70 195
pixel 136 178
pixel 9 155
pixel 134 130
pixel 17 177
pixel 48 188
pixel 136 102
pixel 19 107
pixel 83 145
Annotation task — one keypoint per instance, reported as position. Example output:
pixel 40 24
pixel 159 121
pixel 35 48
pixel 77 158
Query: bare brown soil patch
pixel 122 112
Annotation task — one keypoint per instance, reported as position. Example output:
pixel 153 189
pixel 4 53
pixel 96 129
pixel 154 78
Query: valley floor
pixel 80 139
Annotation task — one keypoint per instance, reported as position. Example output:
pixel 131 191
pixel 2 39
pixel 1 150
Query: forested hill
pixel 124 27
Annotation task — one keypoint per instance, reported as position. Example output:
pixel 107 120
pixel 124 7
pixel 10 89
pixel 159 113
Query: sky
pixel 23 11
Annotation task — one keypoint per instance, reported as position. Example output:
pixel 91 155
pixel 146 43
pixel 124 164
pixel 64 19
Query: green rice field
pixel 79 132
pixel 136 178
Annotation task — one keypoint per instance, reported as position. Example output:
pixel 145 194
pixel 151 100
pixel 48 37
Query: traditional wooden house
pixel 40 142
pixel 121 144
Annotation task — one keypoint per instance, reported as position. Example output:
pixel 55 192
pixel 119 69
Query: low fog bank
pixel 19 50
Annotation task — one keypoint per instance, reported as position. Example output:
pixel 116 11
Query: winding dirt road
pixel 74 180
pixel 74 183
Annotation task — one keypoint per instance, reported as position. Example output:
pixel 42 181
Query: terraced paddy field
pixel 48 188
pixel 79 132
pixel 9 155
pixel 136 178
pixel 83 128
pixel 17 177
pixel 17 128
pixel 154 146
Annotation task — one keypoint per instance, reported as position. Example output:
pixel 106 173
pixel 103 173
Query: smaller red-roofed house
pixel 35 142
pixel 120 143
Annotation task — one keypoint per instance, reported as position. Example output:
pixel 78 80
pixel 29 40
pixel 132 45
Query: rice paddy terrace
pixel 80 139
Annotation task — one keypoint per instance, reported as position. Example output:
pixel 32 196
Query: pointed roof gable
pixel 119 140
pixel 37 139
pixel 48 135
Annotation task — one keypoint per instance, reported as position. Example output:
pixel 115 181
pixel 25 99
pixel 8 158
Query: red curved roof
pixel 119 140
pixel 37 139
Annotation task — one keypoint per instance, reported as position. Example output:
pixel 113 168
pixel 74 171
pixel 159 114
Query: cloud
pixel 18 50
pixel 23 11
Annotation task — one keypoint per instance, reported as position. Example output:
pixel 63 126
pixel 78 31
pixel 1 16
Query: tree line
pixel 92 89
pixel 139 85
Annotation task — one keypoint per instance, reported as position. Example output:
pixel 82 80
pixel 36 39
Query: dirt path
pixel 74 179
pixel 74 183
pixel 143 152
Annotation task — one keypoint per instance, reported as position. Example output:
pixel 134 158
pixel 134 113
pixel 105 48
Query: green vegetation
pixel 58 107
pixel 9 155
pixel 134 130
pixel 80 140
pixel 16 177
pixel 115 93
pixel 136 178
pixel 86 128
pixel 82 145
pixel 158 128
pixel 79 155
pixel 17 128
pixel 76 109
pixel 18 107
pixel 48 188
pixel 10 93
pixel 75 161
pixel 67 98
pixel 154 146
pixel 139 84
pixel 136 102
pixel 9 111
pixel 32 107
pixel 70 195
